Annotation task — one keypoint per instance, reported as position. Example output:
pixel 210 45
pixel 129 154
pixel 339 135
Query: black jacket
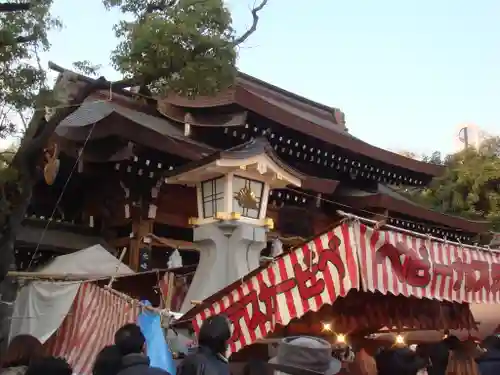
pixel 204 362
pixel 138 364
pixel 489 362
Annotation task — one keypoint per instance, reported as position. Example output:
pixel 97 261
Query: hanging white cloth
pixel 175 260
pixel 41 306
pixel 276 248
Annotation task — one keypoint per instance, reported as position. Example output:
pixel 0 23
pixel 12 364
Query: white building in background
pixel 468 135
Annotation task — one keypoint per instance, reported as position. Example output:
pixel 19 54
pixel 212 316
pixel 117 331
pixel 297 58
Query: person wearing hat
pixel 305 355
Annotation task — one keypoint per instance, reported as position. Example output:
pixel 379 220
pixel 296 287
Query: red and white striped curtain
pixel 90 325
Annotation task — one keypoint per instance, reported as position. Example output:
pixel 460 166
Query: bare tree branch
pixel 19 39
pixel 162 5
pixel 14 7
pixel 7 152
pixel 23 120
pixel 253 27
pixel 4 112
pixel 117 86
pixel 37 144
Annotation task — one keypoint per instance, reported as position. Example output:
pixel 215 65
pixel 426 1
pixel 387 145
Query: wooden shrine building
pixel 116 154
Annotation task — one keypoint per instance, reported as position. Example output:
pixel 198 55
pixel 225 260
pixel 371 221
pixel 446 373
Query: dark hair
pixel 256 367
pixel 129 339
pixel 108 361
pixel 439 354
pixel 49 366
pixel 401 361
pixel 22 350
pixel 491 342
pixel 453 342
pixel 215 333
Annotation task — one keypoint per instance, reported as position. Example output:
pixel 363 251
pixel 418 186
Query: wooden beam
pixel 287 240
pixel 119 242
pixel 62 276
pixel 157 242
pixel 174 220
pixel 176 244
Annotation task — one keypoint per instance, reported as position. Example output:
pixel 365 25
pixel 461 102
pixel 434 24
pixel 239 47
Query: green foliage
pixel 87 68
pixel 470 187
pixel 434 158
pixel 22 35
pixel 183 46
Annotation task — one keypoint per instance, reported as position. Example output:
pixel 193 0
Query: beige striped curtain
pixel 460 365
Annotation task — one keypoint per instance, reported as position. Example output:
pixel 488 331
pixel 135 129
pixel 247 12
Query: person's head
pixel 304 355
pixel 108 361
pixel 256 367
pixel 453 342
pixel 129 339
pixel 401 361
pixel 22 350
pixel 49 366
pixel 214 333
pixel 438 355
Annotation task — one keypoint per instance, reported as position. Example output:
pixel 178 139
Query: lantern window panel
pixel 212 195
pixel 247 196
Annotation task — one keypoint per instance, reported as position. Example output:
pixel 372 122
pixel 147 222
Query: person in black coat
pixel 108 361
pixel 489 362
pixel 398 361
pixel 49 366
pixel 131 344
pixel 209 359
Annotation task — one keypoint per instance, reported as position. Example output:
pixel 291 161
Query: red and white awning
pixel 354 256
pixel 301 281
pixel 398 263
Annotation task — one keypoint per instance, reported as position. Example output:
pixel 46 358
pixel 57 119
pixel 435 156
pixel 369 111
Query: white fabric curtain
pixel 41 306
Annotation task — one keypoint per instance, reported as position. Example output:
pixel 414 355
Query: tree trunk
pixel 8 293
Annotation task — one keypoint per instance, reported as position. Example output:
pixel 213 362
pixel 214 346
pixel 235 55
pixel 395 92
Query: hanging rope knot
pixel 110 97
pixel 428 239
pixel 379 224
pixel 446 240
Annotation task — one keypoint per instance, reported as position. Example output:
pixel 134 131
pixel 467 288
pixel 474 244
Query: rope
pixel 363 210
pixel 417 234
pixel 49 221
pixel 35 276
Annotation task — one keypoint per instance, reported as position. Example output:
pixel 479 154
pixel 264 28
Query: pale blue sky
pixel 407 73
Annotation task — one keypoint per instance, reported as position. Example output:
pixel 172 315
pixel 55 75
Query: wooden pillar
pixel 143 216
pixel 141 228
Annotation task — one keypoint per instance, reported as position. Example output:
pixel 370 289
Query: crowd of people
pixel 127 355
pixel 25 356
pixel 450 356
pixel 295 356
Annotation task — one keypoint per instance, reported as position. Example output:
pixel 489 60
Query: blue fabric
pixel 157 348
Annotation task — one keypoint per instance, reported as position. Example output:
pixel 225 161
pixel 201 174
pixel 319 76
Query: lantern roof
pixel 255 157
